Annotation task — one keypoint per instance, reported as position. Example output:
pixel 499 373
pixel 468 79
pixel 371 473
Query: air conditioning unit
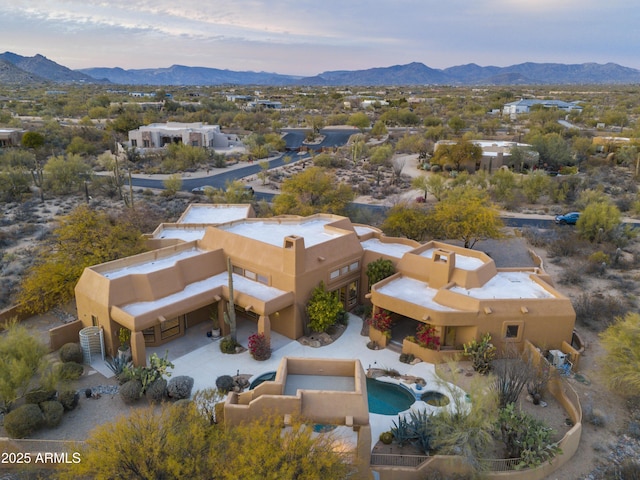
pixel 557 358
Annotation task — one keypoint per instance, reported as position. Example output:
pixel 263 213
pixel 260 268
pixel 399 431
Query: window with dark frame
pixel 512 331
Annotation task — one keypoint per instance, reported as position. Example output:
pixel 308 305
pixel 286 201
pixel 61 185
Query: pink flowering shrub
pixel 426 337
pixel 259 348
pixel 381 321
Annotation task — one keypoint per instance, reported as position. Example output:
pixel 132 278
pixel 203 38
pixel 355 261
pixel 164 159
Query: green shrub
pixel 386 438
pixel 69 399
pixel 52 411
pixel 71 352
pixel 180 387
pixel 23 421
pixel 157 390
pixel 131 391
pixel 70 371
pixel 39 396
pixel 323 309
pixel 228 345
pixel 224 383
pixel 599 257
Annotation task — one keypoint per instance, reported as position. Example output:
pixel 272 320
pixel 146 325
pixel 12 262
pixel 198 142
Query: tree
pixel 410 221
pixel 315 190
pixel 553 150
pixel 598 221
pixel 379 270
pixel 534 185
pixel 381 155
pixel 85 237
pixel 22 356
pixel 33 140
pixel 457 124
pixel 179 441
pixel 172 184
pixel 621 366
pixel 504 184
pixel 65 175
pixel 466 213
pixel 359 120
pixel 263 174
pixel 379 129
pixel 458 154
pixel 323 309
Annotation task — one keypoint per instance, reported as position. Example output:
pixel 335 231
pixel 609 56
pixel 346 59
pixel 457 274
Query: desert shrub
pixel 594 416
pixel 259 347
pixel 180 387
pixel 23 421
pixel 70 371
pixel 564 246
pixel 69 399
pixel 131 391
pixel 52 411
pixel 573 275
pixel 598 311
pixel 228 345
pixel 71 352
pixel 157 390
pixel 39 396
pixel 224 383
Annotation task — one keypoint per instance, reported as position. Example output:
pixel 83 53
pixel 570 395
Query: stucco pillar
pixel 264 327
pixel 138 349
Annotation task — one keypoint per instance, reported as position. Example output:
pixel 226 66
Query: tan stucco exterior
pixel 277 263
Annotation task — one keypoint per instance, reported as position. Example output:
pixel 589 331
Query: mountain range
pixel 16 69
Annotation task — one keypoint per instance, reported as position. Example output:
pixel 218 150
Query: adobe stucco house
pixel 197 134
pixel 277 262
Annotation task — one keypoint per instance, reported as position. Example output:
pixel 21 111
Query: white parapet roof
pixel 151 265
pixel 181 233
pixel 413 291
pixel 396 250
pixel 214 214
pixel 506 286
pixel 240 284
pixel 274 232
pixel 463 262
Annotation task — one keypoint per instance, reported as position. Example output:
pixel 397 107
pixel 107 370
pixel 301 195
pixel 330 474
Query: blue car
pixel 568 218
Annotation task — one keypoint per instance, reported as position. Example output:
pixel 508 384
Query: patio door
pixel 449 337
pixel 349 295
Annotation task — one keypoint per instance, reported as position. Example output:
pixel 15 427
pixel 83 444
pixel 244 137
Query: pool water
pixel 388 398
pixel 265 377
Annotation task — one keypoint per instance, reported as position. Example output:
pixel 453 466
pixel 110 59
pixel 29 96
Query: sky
pixel 305 37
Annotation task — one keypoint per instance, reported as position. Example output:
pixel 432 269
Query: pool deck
pixel 206 363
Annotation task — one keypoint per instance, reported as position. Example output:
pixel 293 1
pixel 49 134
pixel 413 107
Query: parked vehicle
pixel 570 218
pixel 199 190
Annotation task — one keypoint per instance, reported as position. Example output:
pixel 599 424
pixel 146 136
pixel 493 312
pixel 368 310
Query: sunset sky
pixel 305 37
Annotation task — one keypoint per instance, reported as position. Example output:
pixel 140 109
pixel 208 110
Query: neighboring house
pixel 524 106
pixel 197 134
pixel 496 153
pixel 263 105
pixel 276 264
pixel 10 137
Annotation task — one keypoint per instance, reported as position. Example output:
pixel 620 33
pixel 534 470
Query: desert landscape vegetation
pixel 70 201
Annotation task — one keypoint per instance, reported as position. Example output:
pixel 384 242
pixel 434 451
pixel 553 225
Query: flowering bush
pixel 381 321
pixel 259 347
pixel 426 337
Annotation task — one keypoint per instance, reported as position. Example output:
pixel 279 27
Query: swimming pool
pixel 388 398
pixel 265 377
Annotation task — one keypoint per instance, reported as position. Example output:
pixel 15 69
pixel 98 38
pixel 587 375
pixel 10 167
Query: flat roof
pixel 274 232
pixel 241 284
pixel 463 262
pixel 507 285
pixel 362 230
pixel 319 382
pixel 396 250
pixel 214 214
pixel 181 233
pixel 152 265
pixel 413 291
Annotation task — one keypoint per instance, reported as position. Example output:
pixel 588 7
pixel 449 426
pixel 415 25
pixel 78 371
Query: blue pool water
pixel 388 398
pixel 265 377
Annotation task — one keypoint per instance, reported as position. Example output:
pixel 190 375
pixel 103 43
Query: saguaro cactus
pixel 230 314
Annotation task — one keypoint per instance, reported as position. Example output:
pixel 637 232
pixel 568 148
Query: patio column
pixel 264 327
pixel 138 349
